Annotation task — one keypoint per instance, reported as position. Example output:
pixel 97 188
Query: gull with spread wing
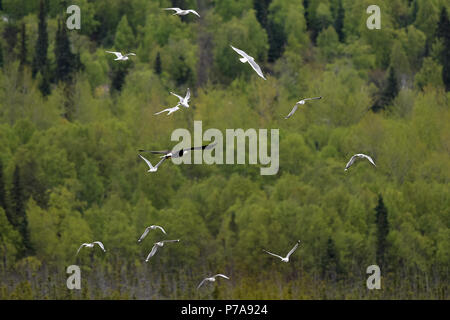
pixel 285 259
pixel 121 57
pixel 212 279
pixel 358 156
pixel 181 12
pixel 184 102
pixel 169 110
pixel 303 101
pixel 251 61
pixel 147 230
pixel 91 245
pixel 152 168
pixel 157 245
pixel 167 154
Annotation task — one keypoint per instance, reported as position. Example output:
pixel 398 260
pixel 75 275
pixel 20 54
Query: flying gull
pixel 152 168
pixel 169 110
pixel 298 103
pixel 183 101
pixel 167 154
pixel 181 12
pixel 246 58
pixel 155 247
pixel 147 230
pixel 120 56
pixel 91 245
pixel 212 279
pixel 356 156
pixel 285 259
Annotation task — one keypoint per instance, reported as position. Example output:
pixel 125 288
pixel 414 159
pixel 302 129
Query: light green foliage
pixel 429 74
pixel 328 42
pixel 124 39
pixel 83 181
pixel 245 34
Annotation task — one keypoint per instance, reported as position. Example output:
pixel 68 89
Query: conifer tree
pixel 1 56
pixel 339 21
pixel 382 231
pixel 262 7
pixel 389 93
pixel 443 33
pixel 2 189
pixel 158 68
pixel 18 214
pixel 330 261
pixel 23 46
pixel 65 59
pixel 40 58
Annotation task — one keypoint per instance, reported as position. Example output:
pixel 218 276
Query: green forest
pixel 72 120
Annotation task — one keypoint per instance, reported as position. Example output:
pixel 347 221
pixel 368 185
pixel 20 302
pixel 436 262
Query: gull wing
pixel 152 253
pixel 164 241
pixel 292 111
pixel 161 228
pixel 194 12
pixel 83 245
pixel 370 159
pixel 147 230
pixel 315 98
pixel 293 249
pixel 176 9
pixel 273 254
pixel 146 161
pixel 169 110
pixel 350 162
pixel 205 147
pixel 201 283
pixel 118 54
pixel 100 245
pixel 176 95
pixel 221 275
pixel 242 53
pixel 256 67
pixel 130 54
pixel 188 95
pixel 159 163
pixel 155 152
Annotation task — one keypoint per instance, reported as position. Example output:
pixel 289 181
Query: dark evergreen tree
pixel 23 46
pixel 382 227
pixel 277 41
pixel 1 56
pixel 389 92
pixel 119 72
pixel 10 35
pixel 339 21
pixel 44 85
pixel 330 261
pixel 443 33
pixel 443 27
pixel 158 67
pixel 2 189
pixel 414 9
pixel 262 8
pixel 40 57
pixel 392 89
pixel 66 61
pixel 18 217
